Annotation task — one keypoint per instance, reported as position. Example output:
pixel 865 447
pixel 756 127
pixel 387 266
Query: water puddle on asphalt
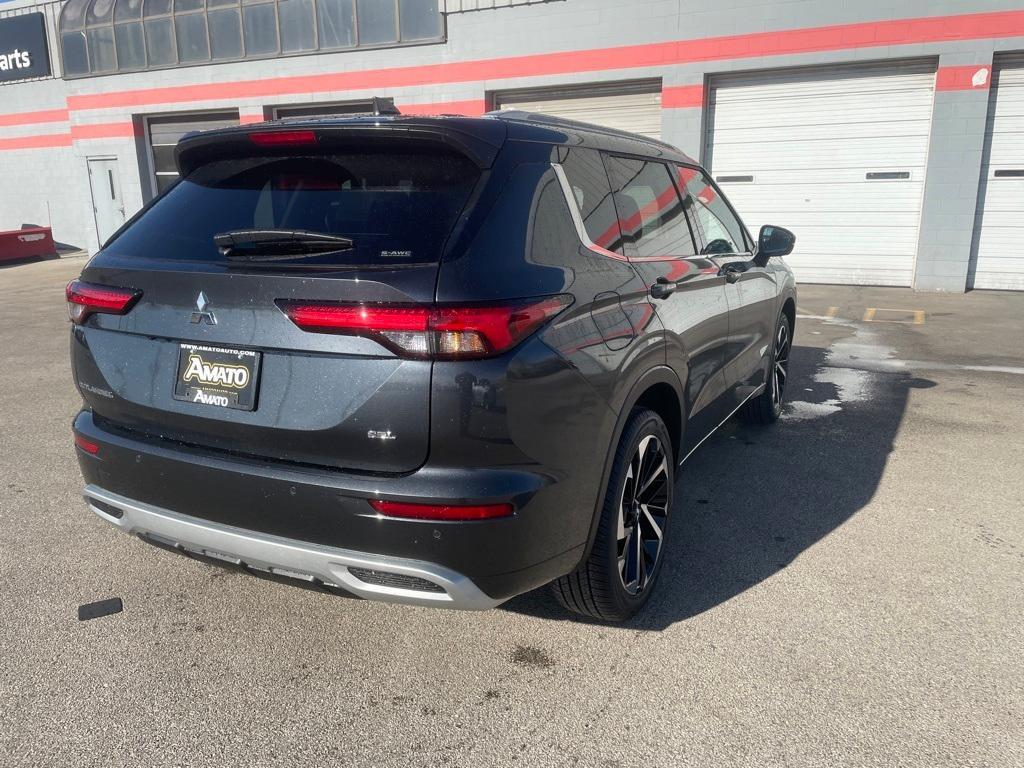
pixel 852 365
pixel 843 372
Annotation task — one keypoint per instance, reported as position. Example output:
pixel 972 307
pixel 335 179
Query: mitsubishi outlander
pixel 430 360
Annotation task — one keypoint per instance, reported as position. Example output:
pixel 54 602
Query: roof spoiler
pixel 475 138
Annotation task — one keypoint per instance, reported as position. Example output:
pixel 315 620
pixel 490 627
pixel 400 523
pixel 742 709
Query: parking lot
pixel 845 588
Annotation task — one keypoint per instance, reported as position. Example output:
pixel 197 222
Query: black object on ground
pixel 100 608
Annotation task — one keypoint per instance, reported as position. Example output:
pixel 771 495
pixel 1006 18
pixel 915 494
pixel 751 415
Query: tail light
pixel 433 332
pixel 446 512
pixel 86 445
pixel 282 138
pixel 86 299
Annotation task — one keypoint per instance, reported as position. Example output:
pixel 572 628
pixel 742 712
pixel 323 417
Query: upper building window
pixel 103 36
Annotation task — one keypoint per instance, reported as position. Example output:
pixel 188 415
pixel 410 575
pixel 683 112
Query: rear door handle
pixel 662 288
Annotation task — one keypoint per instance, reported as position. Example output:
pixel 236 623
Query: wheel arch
pixel 659 389
pixel 789 310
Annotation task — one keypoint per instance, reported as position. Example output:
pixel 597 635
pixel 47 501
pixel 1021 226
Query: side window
pixel 585 171
pixel 723 232
pixel 651 216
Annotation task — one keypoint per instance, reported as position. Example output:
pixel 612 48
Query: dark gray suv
pixel 439 361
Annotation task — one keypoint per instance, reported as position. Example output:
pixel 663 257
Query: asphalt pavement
pixel 844 588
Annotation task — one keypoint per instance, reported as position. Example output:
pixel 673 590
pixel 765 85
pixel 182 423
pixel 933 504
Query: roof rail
pixel 384 105
pixel 539 118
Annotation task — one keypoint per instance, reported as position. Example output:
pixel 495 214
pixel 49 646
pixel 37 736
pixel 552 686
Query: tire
pixel 617 579
pixel 767 407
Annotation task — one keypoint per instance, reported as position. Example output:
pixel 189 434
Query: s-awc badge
pixel 226 378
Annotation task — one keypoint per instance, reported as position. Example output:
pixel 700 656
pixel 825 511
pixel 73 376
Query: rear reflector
pixel 87 445
pixel 282 138
pixel 86 299
pixel 440 333
pixel 440 511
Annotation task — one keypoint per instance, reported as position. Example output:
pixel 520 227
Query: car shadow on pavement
pixel 11 263
pixel 752 499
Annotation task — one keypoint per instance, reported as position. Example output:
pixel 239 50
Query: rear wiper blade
pixel 278 244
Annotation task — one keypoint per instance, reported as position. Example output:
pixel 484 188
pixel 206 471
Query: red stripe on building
pixel 33 118
pixel 977 77
pixel 250 119
pixel 784 42
pixel 682 97
pixel 473 108
pixel 44 141
pixel 120 130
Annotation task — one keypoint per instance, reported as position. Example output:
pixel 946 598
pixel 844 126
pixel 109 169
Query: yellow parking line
pixel 832 312
pixel 870 316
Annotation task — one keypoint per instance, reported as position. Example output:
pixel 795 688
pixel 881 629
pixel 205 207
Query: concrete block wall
pixel 40 181
pixel 494 45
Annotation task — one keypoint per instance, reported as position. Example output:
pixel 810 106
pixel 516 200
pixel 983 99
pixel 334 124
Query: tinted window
pixel 225 34
pixel 722 231
pixel 191 34
pixel 126 10
pixel 73 15
pixel 378 21
pixel 553 234
pixel 131 50
pixel 649 209
pixel 160 41
pixel 190 31
pixel 260 27
pixel 101 48
pixel 296 25
pixel 99 11
pixel 584 168
pixel 420 19
pixel 397 208
pixel 76 61
pixel 337 20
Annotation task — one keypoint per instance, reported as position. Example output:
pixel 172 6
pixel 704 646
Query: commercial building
pixel 889 136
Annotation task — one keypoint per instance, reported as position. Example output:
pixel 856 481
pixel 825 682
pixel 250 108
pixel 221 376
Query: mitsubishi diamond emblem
pixel 202 314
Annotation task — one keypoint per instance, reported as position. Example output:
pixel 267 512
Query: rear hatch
pixel 207 356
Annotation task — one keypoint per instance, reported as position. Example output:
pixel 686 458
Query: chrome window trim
pixel 577 216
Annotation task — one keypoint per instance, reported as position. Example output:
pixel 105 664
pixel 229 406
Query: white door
pixel 633 108
pixel 838 155
pixel 999 260
pixel 107 203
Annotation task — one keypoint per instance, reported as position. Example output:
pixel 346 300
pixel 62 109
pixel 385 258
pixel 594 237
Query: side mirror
pixel 773 242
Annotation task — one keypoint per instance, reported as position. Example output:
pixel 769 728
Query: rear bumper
pixel 318 524
pixel 368 576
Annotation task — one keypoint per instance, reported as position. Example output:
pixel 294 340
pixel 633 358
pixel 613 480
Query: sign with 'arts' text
pixel 23 51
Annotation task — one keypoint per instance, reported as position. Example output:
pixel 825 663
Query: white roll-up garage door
pixel 164 132
pixel 999 260
pixel 836 154
pixel 633 107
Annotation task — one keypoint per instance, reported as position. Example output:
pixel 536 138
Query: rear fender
pixel 659 375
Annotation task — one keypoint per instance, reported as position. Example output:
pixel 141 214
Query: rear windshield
pixel 396 208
